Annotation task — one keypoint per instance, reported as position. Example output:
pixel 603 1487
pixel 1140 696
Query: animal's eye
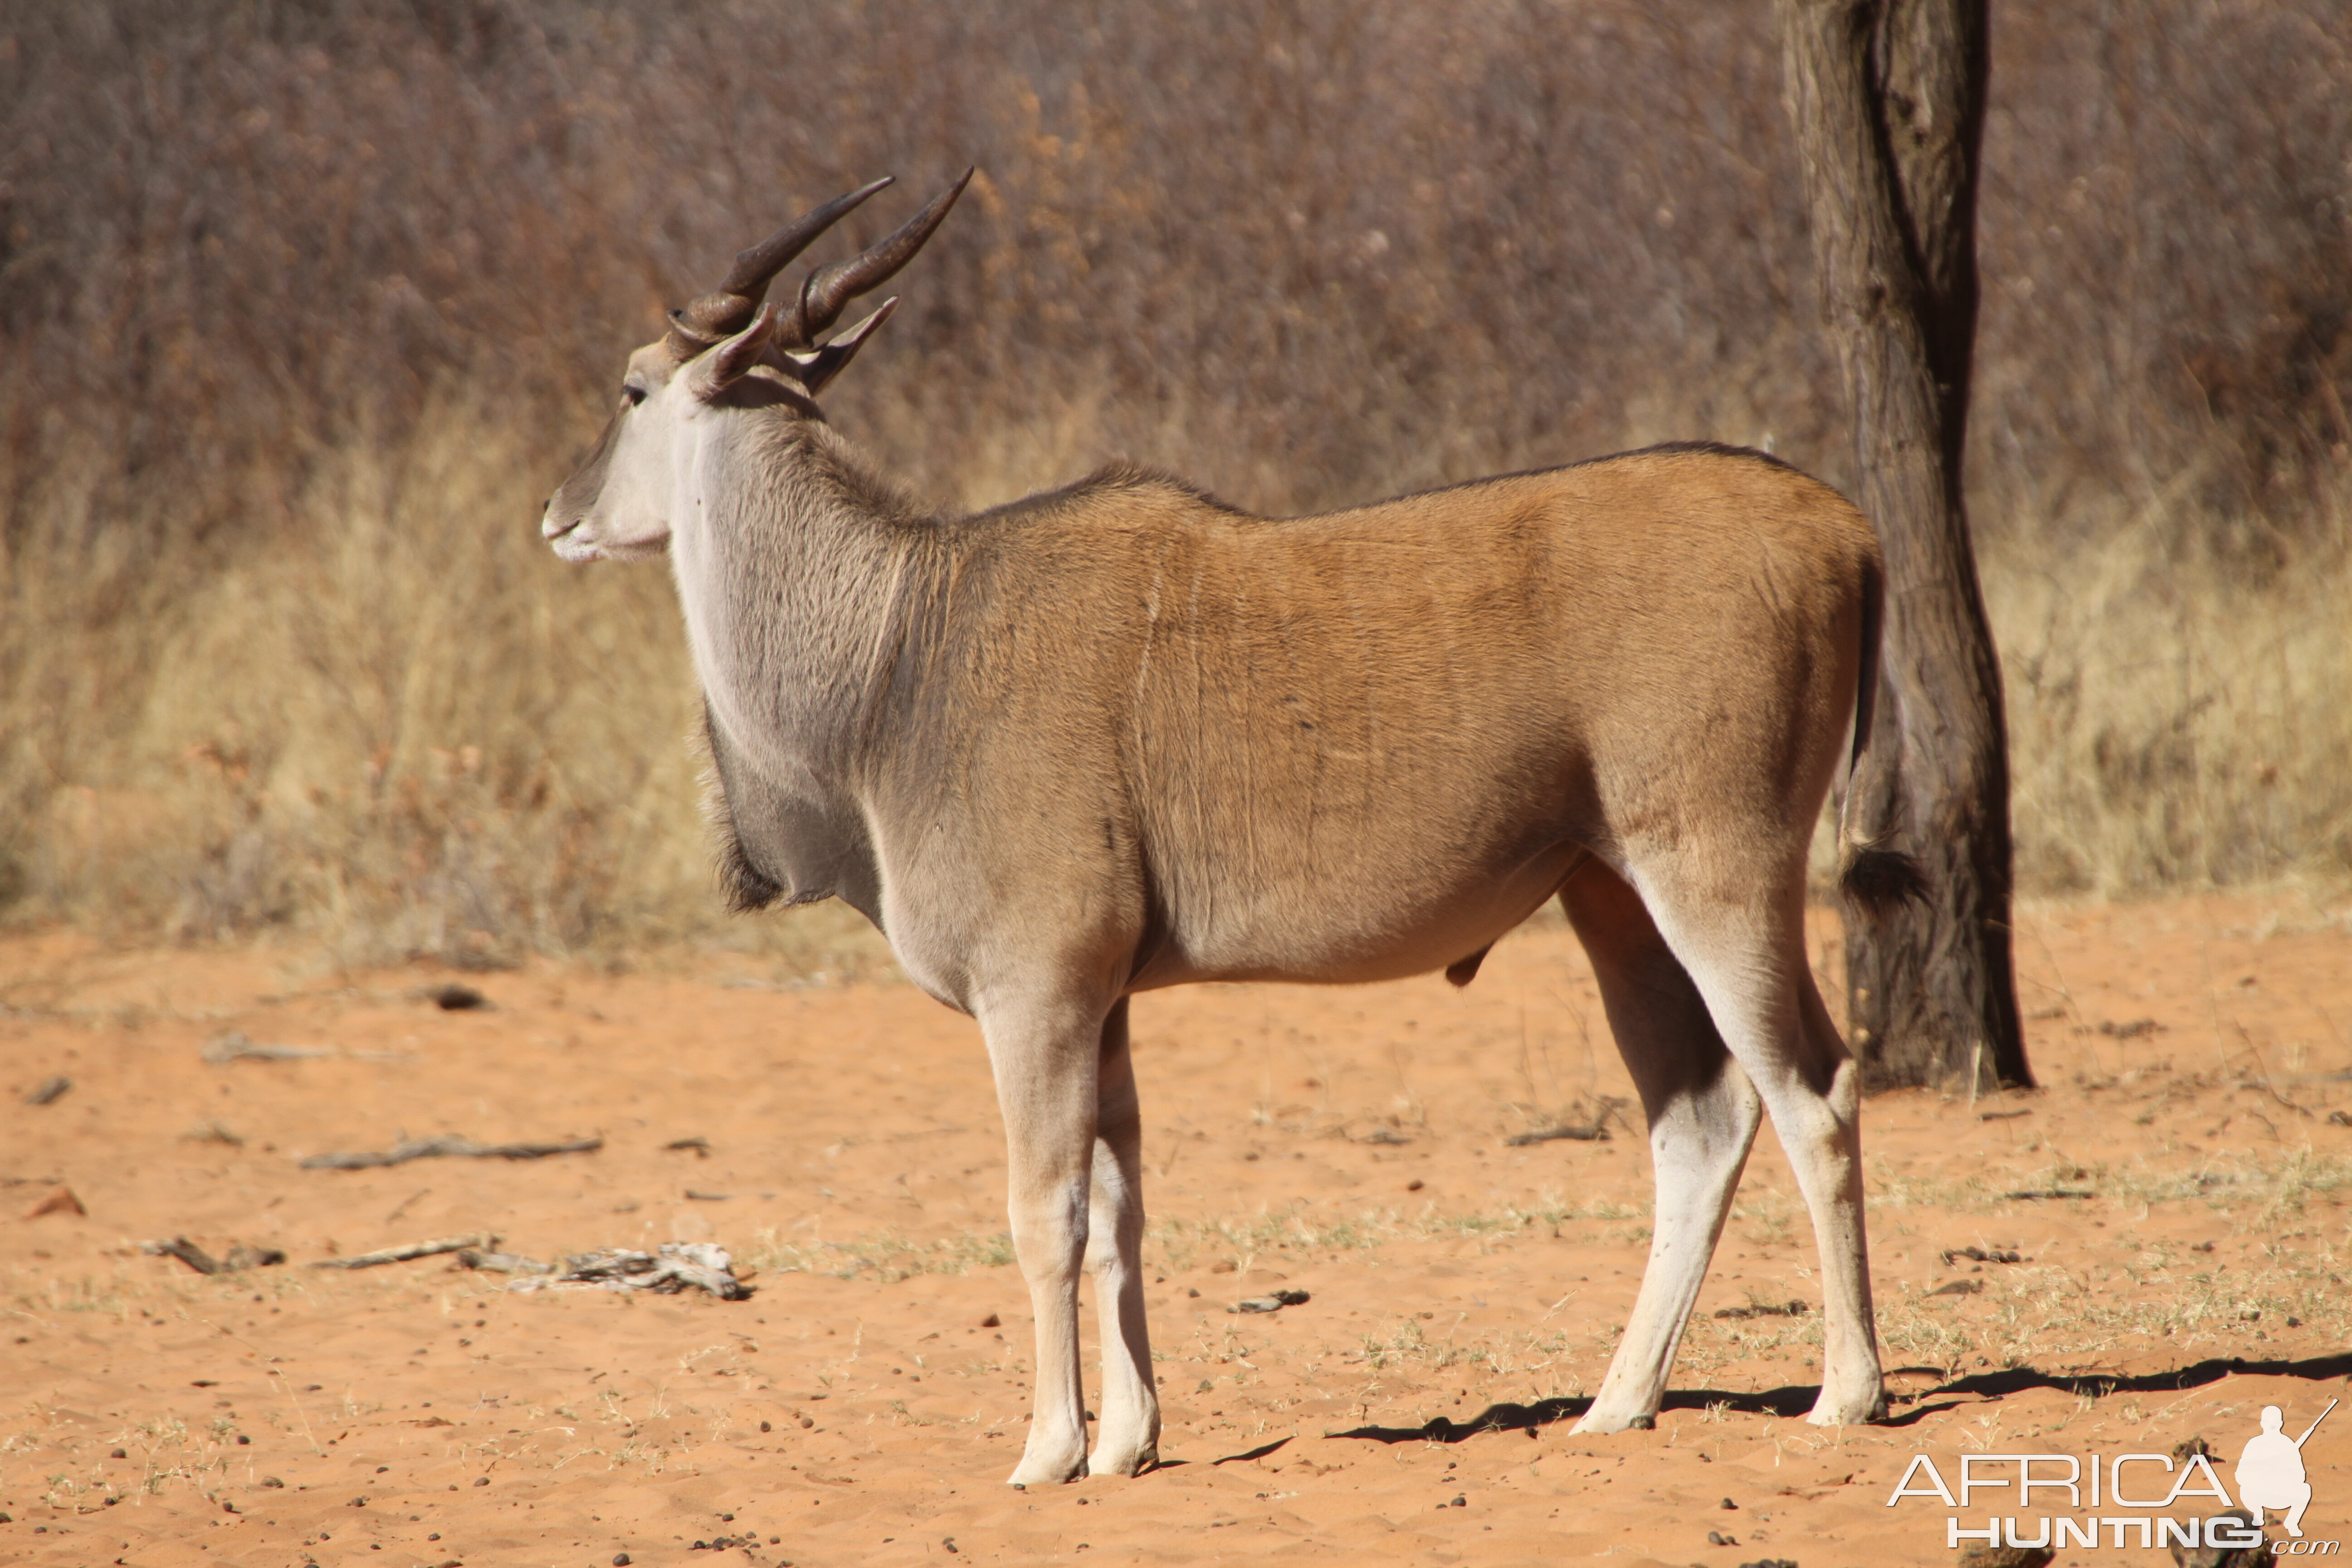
pixel 633 394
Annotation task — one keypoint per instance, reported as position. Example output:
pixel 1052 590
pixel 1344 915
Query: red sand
pixel 417 1414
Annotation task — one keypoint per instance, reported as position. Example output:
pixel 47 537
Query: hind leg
pixel 1745 950
pixel 1127 1441
pixel 1702 1113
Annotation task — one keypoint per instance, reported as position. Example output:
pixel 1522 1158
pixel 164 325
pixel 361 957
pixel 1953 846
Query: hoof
pixel 1033 1471
pixel 1853 1411
pixel 1600 1422
pixel 1102 1464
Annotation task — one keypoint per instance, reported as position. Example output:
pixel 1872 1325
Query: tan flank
pixel 1121 736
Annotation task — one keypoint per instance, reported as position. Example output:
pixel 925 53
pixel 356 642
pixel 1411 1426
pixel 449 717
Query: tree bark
pixel 1888 100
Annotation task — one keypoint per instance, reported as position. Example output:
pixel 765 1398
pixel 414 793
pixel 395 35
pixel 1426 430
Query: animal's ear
pixel 713 372
pixel 815 367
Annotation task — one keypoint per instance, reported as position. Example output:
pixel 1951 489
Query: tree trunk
pixel 1888 100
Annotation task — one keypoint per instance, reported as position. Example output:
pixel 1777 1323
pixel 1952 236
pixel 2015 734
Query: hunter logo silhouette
pixel 2270 1470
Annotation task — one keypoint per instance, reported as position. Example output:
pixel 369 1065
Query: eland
pixel 1121 736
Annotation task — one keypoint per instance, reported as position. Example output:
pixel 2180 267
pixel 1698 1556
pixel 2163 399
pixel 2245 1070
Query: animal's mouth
pixel 566 539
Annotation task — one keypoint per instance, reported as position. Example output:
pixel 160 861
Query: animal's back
pixel 1431 702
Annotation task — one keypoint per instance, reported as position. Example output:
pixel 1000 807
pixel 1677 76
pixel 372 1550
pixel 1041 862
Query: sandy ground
pixel 864 1406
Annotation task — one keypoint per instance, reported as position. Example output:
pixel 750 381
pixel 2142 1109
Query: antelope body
pixel 1121 736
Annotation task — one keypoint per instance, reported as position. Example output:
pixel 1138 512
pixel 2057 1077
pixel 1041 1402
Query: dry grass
pixel 395 726
pixel 885 1258
pixel 2078 1315
pixel 1239 1239
pixel 305 318
pixel 2176 719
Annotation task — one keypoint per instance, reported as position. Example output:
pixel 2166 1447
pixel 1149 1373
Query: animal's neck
pixel 789 553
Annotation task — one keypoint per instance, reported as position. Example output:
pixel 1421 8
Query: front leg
pixel 1046 1051
pixel 1129 1439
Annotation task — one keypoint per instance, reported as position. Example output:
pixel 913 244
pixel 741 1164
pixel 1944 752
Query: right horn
pixel 830 288
pixel 730 309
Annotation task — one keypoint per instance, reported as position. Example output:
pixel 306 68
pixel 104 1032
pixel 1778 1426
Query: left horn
pixel 727 312
pixel 830 288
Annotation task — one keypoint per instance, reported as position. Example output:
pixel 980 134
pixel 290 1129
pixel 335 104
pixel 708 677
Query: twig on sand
pixel 240 1256
pixel 2263 1081
pixel 414 1249
pixel 1982 1255
pixel 236 1046
pixel 1593 1131
pixel 448 1146
pixel 1762 1309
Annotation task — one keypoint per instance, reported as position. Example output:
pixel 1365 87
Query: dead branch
pixel 187 1251
pixel 414 1249
pixel 240 1256
pixel 1593 1131
pixel 449 1146
pixel 1762 1309
pixel 238 1046
pixel 1982 1255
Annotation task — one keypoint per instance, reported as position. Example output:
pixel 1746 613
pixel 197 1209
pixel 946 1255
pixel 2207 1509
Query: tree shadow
pixel 1796 1399
pixel 2099 1384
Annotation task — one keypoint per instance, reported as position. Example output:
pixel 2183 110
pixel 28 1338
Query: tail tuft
pixel 1883 880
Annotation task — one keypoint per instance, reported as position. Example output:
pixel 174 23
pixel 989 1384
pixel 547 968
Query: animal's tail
pixel 1875 879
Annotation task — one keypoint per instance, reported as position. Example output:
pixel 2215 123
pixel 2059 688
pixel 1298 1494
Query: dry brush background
pixel 306 308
